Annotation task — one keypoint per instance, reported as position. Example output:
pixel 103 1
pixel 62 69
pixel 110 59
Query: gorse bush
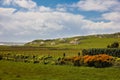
pixel 76 61
pixel 99 61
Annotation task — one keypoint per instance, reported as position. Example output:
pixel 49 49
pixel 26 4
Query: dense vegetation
pixel 101 60
pixel 94 51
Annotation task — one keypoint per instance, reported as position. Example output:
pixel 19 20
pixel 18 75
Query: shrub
pixel 117 62
pixel 95 51
pixel 1 57
pixel 61 62
pixel 36 61
pixel 77 61
pixel 65 61
pixel 113 45
pixel 99 61
pixel 89 60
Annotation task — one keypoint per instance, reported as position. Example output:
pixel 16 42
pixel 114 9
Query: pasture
pixel 28 71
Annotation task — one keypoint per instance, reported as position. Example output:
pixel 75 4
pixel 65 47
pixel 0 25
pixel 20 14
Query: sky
pixel 27 20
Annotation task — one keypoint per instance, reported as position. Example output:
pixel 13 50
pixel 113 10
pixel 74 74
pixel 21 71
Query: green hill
pixel 78 42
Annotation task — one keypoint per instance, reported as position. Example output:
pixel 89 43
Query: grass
pixel 54 53
pixel 28 71
pixel 88 42
pixel 91 43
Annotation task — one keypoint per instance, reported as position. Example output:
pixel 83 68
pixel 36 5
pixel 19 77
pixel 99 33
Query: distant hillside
pixel 11 43
pixel 90 41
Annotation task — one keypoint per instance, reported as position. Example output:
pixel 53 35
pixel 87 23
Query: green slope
pixel 80 42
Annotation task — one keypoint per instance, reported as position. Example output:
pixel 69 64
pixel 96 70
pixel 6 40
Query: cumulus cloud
pixel 6 10
pixel 112 16
pixel 27 23
pixel 97 5
pixel 62 8
pixel 35 21
pixel 28 4
pixel 44 9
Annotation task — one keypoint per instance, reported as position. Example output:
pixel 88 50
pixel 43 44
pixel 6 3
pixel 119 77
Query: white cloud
pixel 1 33
pixel 97 5
pixel 28 23
pixel 28 4
pixel 25 3
pixel 44 9
pixel 112 16
pixel 7 10
pixel 6 2
pixel 101 26
pixel 61 8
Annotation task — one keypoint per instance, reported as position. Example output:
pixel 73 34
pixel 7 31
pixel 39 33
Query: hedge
pixel 95 51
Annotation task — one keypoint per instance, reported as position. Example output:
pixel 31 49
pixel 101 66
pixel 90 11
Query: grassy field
pixel 89 42
pixel 28 71
pixel 38 51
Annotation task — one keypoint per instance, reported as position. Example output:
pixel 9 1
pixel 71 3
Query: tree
pixel 113 45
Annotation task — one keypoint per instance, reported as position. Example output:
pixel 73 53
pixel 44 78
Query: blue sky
pixel 27 20
pixel 53 3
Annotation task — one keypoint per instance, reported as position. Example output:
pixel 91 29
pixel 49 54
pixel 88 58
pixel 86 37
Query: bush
pixel 99 61
pixel 65 61
pixel 36 61
pixel 77 61
pixel 61 62
pixel 1 57
pixel 95 51
pixel 117 62
pixel 113 45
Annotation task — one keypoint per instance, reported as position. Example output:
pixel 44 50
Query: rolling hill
pixel 78 42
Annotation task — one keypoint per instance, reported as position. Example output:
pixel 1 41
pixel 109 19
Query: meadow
pixel 28 71
pixel 84 43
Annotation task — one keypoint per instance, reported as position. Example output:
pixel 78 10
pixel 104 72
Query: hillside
pixel 78 42
pixel 12 43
